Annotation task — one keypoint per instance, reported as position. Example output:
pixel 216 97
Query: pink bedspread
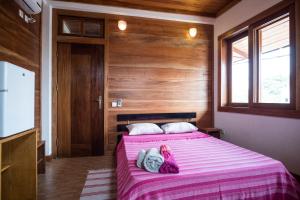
pixel 209 169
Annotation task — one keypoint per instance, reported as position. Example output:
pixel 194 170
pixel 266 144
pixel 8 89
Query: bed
pixel 209 169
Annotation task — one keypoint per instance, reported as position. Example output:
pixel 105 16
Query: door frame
pixel 79 40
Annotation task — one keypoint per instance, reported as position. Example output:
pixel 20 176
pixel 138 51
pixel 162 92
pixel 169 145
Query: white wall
pixel 46 75
pixel 276 137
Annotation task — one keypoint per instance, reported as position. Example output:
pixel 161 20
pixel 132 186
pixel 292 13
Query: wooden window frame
pixel 82 21
pixel 224 64
pixel 60 27
pixel 98 21
pixel 254 62
pixel 229 42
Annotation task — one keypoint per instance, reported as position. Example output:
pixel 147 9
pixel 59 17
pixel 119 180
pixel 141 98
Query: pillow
pixel 143 128
pixel 178 127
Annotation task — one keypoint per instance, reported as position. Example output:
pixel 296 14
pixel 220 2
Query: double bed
pixel 209 169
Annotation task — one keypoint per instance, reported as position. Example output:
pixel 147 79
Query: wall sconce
pixel 122 25
pixel 193 32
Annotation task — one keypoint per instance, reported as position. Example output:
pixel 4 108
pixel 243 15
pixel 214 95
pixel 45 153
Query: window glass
pixel 93 29
pixel 274 62
pixel 240 71
pixel 70 26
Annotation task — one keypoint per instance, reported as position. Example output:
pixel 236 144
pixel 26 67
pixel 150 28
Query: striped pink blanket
pixel 209 169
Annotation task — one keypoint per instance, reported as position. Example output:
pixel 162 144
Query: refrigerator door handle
pixel 3 90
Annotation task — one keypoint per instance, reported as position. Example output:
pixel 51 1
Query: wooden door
pixel 80 100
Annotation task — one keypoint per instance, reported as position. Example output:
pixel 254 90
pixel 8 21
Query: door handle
pixel 99 102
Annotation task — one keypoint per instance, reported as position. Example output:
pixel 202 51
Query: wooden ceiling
pixel 208 8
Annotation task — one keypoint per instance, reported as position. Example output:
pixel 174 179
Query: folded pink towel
pixel 169 165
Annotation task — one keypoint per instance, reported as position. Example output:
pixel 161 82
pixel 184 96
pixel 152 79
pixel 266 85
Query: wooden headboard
pixel 153 116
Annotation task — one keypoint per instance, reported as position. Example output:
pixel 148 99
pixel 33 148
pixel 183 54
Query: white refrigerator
pixel 17 88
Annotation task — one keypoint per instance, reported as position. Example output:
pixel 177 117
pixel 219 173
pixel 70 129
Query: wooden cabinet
pixel 18 155
pixel 41 157
pixel 215 132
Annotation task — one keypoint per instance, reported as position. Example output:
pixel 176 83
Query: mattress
pixel 209 169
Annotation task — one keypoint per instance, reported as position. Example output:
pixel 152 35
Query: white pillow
pixel 178 127
pixel 143 128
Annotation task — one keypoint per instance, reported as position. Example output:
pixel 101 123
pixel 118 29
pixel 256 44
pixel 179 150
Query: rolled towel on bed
pixel 169 165
pixel 140 158
pixel 153 160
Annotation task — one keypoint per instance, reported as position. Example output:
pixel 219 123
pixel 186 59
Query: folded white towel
pixel 153 160
pixel 140 158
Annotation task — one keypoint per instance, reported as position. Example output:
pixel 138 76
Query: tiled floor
pixel 64 178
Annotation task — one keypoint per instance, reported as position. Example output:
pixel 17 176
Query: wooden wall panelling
pixel 20 45
pixel 154 67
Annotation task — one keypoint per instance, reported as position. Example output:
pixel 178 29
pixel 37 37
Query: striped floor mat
pixel 100 185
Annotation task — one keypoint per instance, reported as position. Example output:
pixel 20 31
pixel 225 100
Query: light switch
pixel 120 102
pixel 114 104
pixel 117 103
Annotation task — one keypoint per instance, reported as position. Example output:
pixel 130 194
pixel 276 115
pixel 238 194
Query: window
pixel 239 69
pixel 70 26
pixel 81 27
pixel 274 62
pixel 93 28
pixel 257 65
